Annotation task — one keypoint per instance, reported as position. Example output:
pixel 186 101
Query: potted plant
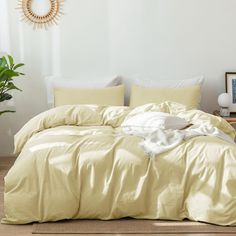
pixel 8 71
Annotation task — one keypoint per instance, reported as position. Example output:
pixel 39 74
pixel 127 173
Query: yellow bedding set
pixel 76 162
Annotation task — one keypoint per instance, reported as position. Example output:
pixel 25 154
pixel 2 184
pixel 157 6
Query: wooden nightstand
pixel 230 119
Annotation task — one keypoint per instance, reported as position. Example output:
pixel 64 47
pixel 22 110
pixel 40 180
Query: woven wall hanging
pixel 41 21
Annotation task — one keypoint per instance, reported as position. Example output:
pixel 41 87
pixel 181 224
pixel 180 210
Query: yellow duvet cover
pixel 75 162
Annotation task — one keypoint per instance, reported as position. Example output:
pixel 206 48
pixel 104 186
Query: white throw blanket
pixel 157 140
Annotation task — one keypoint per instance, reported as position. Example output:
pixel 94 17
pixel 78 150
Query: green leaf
pixel 2 112
pixel 11 61
pixel 2 68
pixel 11 73
pixel 2 73
pixel 3 62
pixel 7 75
pixel 5 97
pixel 18 65
pixel 5 80
pixel 11 86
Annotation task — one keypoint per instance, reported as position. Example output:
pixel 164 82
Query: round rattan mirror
pixel 45 20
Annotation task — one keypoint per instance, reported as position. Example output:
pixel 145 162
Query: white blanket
pixel 157 140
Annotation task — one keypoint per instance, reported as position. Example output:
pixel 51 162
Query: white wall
pixel 158 38
pixel 77 47
pixel 175 39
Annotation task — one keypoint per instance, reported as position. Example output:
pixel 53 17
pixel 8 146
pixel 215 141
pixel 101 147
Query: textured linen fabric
pixel 102 96
pixel 154 82
pixel 52 82
pixel 189 96
pixel 75 162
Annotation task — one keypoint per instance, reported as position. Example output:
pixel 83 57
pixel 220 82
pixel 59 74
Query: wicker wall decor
pixel 41 21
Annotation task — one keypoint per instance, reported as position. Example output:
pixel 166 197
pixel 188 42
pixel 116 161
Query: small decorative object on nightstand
pixel 224 102
pixel 230 119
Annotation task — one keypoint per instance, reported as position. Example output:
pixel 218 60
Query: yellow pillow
pixel 113 96
pixel 189 96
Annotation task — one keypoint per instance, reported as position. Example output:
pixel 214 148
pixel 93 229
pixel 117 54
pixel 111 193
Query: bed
pixel 76 162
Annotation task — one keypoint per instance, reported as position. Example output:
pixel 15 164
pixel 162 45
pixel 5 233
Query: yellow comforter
pixel 75 162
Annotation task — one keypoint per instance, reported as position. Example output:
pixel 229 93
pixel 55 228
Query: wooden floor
pixel 25 230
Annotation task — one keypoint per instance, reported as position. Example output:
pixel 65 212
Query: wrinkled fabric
pixel 158 140
pixel 75 162
pixel 153 121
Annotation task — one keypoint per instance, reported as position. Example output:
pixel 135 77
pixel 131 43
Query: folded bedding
pixel 79 162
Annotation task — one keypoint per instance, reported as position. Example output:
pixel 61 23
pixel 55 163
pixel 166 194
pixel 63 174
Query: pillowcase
pixel 155 82
pixel 170 83
pixel 190 96
pixel 154 120
pixel 62 82
pixel 113 96
pixel 88 83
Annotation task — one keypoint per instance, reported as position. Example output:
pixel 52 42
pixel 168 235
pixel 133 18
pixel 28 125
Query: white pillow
pixel 158 83
pixel 171 83
pixel 149 121
pixel 62 82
